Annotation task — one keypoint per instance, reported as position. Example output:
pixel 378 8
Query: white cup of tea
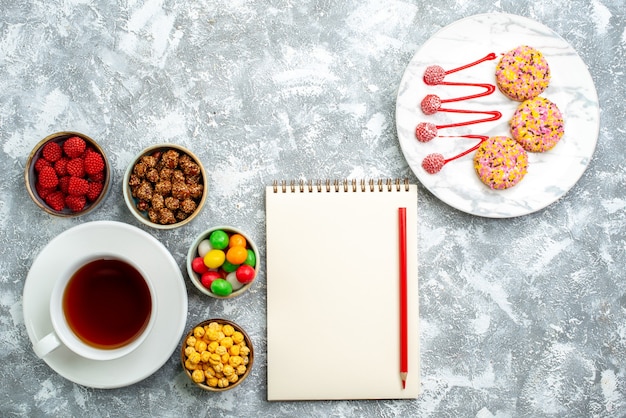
pixel 102 307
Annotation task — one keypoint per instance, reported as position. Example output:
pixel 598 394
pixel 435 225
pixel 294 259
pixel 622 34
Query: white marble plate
pixel 152 257
pixel 550 174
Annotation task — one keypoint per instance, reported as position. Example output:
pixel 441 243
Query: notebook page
pixel 333 294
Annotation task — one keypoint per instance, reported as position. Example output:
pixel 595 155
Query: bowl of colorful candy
pixel 217 355
pixel 223 262
pixel 67 174
pixel 165 186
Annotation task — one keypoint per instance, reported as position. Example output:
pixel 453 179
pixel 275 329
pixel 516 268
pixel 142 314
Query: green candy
pixel 221 287
pixel 229 267
pixel 251 259
pixel 219 239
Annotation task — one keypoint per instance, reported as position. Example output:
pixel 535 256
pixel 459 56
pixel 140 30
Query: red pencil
pixel 404 360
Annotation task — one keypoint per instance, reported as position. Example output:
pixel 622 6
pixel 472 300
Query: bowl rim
pixel 128 198
pixel 30 178
pixel 191 254
pixel 246 337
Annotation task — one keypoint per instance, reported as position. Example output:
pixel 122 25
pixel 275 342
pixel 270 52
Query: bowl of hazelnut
pixel 67 174
pixel 217 355
pixel 165 186
pixel 223 262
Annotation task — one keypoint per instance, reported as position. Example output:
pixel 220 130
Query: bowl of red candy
pixel 67 174
pixel 223 262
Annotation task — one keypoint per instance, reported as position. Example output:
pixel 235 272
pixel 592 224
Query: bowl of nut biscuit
pixel 165 186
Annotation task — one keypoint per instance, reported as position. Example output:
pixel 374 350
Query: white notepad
pixel 333 296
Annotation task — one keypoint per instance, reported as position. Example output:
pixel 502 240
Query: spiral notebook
pixel 333 292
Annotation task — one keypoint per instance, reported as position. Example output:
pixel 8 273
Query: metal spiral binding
pixel 336 185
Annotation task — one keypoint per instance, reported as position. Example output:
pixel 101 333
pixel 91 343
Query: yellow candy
pixel 205 356
pixel 241 369
pixel 228 330
pixel 235 361
pixel 233 378
pixel 215 359
pixel 200 346
pixel 228 370
pixel 212 382
pixel 190 366
pixel 189 350
pixel 195 357
pixel 215 326
pixel 234 350
pixel 197 376
pixel 237 337
pixel 198 332
pixel 214 259
pixel 226 342
pixel 191 340
pixel 212 346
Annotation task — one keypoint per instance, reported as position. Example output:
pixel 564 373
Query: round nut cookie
pixel 522 73
pixel 537 124
pixel 500 162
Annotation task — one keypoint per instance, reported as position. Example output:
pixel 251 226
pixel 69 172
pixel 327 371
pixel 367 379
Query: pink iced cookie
pixel 500 162
pixel 522 73
pixel 537 124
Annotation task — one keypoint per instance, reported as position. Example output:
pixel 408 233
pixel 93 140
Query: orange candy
pixel 237 240
pixel 237 254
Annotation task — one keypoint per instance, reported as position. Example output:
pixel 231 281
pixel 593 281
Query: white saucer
pixel 153 258
pixel 550 174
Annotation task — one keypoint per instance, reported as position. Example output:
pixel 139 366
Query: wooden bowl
pixel 31 175
pixel 241 374
pixel 134 203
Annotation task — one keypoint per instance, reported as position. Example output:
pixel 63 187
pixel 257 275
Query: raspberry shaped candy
pixel 48 178
pixel 425 131
pixel 40 163
pixel 74 147
pixel 60 166
pixel 75 203
pixel 94 163
pixel 434 75
pixel 431 104
pixel 78 186
pixel 97 177
pixel 42 191
pixel 76 167
pixel 52 151
pixel 64 184
pixel 56 200
pixel 433 163
pixel 95 188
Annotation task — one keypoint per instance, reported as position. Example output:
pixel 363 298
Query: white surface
pixel 153 258
pixel 332 260
pixel 550 174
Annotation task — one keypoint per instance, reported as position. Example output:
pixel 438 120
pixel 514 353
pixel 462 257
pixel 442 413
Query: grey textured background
pixel 520 317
